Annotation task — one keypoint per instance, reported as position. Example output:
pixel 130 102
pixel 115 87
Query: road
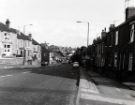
pixel 52 85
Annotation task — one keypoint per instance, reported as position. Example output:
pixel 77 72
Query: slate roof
pixel 20 35
pixel 35 42
pixel 3 27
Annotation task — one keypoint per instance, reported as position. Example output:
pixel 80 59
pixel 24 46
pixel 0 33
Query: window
pixel 130 64
pixel 44 54
pixel 116 37
pixel 132 33
pixel 115 59
pixel 21 53
pixel 8 46
pixel 5 34
pixel 5 46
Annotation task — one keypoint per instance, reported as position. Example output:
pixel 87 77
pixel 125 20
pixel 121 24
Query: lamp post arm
pixel 88 35
pixel 87 30
pixel 24 27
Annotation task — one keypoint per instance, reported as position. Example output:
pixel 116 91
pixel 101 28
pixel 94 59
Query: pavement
pixel 97 90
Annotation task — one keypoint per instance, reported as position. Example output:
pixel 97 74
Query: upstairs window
pixel 132 32
pixel 116 37
pixel 7 48
pixel 6 36
pixel 115 59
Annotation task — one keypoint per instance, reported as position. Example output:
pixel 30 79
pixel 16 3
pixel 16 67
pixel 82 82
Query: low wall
pixel 12 61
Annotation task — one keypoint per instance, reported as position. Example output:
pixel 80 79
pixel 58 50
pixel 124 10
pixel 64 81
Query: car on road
pixel 75 64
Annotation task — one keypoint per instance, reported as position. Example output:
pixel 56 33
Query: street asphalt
pixel 52 85
pixel 60 85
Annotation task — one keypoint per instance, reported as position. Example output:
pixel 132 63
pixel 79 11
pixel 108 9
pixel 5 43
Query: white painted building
pixel 14 44
pixel 8 41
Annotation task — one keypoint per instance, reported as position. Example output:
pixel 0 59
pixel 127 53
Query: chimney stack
pixel 130 12
pixel 30 36
pixel 112 26
pixel 129 9
pixel 7 23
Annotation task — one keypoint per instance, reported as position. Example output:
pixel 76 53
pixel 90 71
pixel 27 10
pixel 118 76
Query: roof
pixel 22 36
pixel 35 42
pixel 125 22
pixel 3 27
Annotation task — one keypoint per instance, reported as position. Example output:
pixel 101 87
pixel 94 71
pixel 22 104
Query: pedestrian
pixel 78 77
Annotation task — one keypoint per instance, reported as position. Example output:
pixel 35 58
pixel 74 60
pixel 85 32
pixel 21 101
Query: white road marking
pixel 117 89
pixel 25 72
pixel 5 76
pixel 9 75
pixel 128 96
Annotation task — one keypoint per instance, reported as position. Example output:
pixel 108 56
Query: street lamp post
pixel 87 30
pixel 87 55
pixel 24 52
pixel 24 27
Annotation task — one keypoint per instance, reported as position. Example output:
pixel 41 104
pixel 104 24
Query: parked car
pixel 69 61
pixel 75 64
pixel 64 62
pixel 44 63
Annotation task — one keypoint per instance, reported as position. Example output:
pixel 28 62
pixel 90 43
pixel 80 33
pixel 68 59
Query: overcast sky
pixel 54 21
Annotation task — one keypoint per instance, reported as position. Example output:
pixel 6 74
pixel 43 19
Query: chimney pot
pixel 7 23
